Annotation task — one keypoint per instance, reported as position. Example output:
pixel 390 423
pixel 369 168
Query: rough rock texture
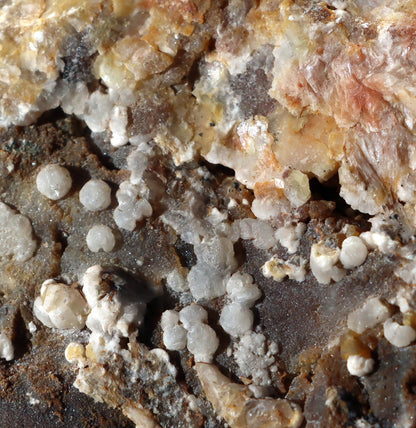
pixel 243 142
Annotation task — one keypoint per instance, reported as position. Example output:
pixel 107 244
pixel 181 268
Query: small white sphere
pixel 202 342
pixel 236 319
pixel 100 237
pixel 353 252
pixel 169 319
pixel 192 315
pixel 174 338
pixel 398 335
pixel 360 366
pixel 95 195
pixel 54 181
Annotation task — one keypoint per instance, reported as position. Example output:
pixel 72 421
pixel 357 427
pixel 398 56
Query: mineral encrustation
pixel 208 213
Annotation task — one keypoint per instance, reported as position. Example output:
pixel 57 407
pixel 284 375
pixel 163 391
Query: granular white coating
pixel 236 319
pixel 255 358
pixel 54 181
pixel 16 235
pixel 353 252
pixel 95 195
pixel 100 237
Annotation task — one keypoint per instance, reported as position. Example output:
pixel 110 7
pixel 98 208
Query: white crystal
pixel 240 289
pixel 54 181
pixel 60 306
pixel 131 208
pixel 192 315
pixel 177 281
pixel 259 231
pixel 236 319
pixel 323 263
pixel 100 237
pixel 353 252
pixel 360 366
pixel 398 335
pixel 95 195
pixel 16 235
pixel 202 342
pixel 169 318
pixel 206 282
pixel 174 338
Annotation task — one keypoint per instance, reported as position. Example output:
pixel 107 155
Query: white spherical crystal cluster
pixel 188 328
pixel 398 335
pixel 16 235
pixel 109 318
pixel 192 315
pixel 236 317
pixel 327 263
pixel 95 195
pixel 100 237
pixel 54 181
pixel 207 279
pixel 174 335
pixel 242 290
pixel 202 342
pixel 131 208
pixel 358 365
pixel 353 252
pixel 323 261
pixel 60 306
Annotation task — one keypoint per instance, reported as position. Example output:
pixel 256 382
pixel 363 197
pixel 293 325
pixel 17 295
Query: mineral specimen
pixel 208 213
